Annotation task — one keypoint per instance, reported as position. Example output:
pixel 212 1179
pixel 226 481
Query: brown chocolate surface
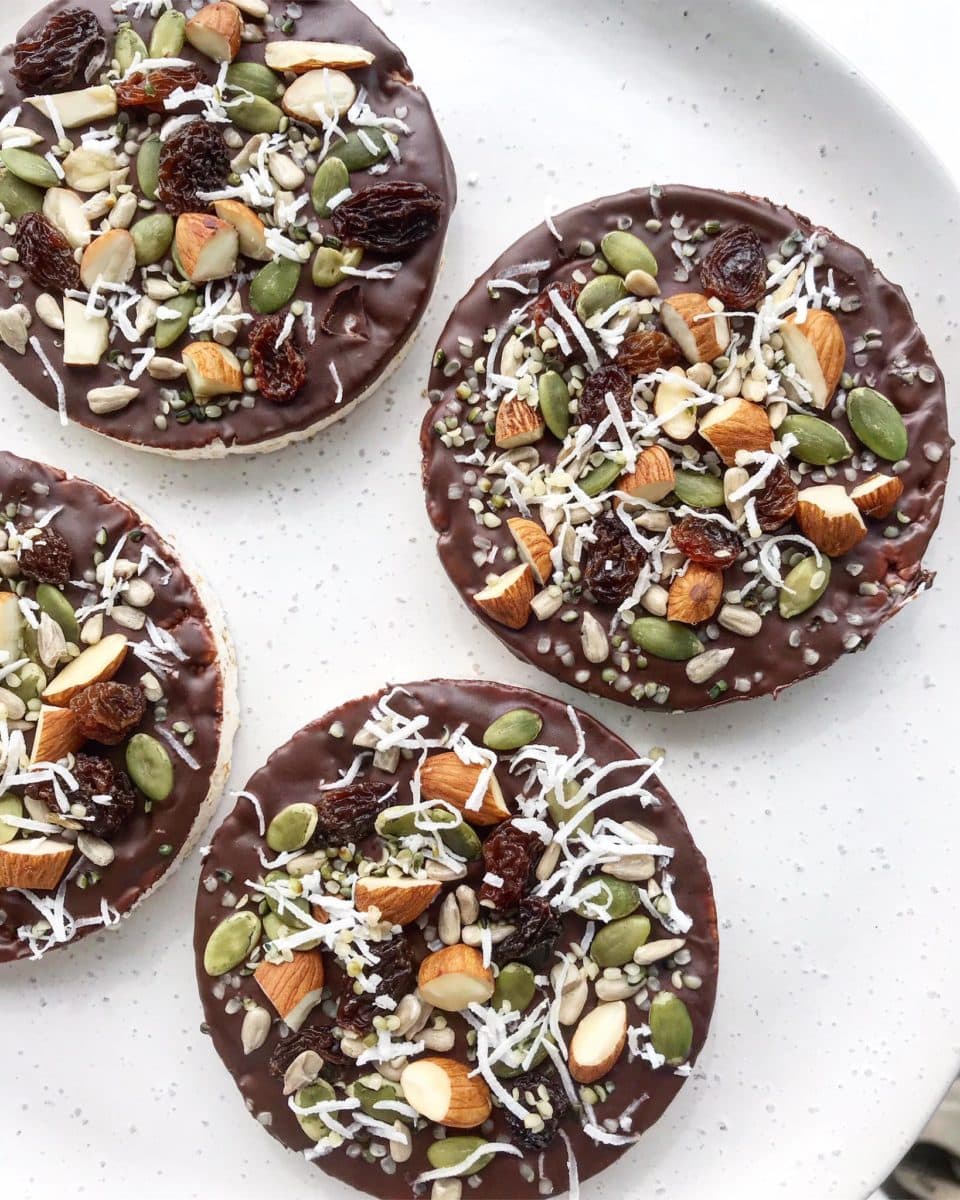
pixel 194 692
pixel 768 662
pixel 315 755
pixel 392 308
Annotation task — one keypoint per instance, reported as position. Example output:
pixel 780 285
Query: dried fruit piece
pixel 613 381
pixel 70 44
pixel 96 776
pixel 776 502
pixel 320 1039
pixel 543 1087
pixel 47 559
pixel 613 561
pixel 706 542
pixel 695 595
pixel 107 712
pixel 510 854
pixel 193 161
pixel 537 927
pixel 734 269
pixel 389 218
pixel 346 814
pixel 648 350
pixel 279 367
pixel 397 977
pixel 543 308
pixel 149 89
pixel 45 254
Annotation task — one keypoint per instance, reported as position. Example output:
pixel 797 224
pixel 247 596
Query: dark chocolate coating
pixel 885 561
pixel 312 756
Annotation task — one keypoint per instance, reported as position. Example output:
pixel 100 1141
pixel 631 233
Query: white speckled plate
pixel 827 816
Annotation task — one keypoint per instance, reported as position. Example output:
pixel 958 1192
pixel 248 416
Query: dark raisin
pixel 320 1039
pixel 47 559
pixel 389 218
pixel 608 381
pixel 346 814
pixel 734 269
pixel 107 712
pixel 70 46
pixel 45 254
pixel 280 371
pixel 511 853
pixel 149 89
pixel 612 562
pixel 648 350
pixel 543 1087
pixel 536 930
pixel 396 978
pixel 193 160
pixel 543 307
pixel 706 542
pixel 776 500
pixel 106 794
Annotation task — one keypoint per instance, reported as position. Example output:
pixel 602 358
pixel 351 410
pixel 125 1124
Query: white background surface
pixel 827 816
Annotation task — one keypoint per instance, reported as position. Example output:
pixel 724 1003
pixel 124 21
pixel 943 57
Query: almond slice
pixel 816 348
pixel 216 32
pixel 207 247
pixel 678 418
pixel 95 665
pixel 64 209
pixel 652 478
pixel 57 735
pixel 877 496
pixel 399 901
pixel 454 978
pixel 695 595
pixel 312 56
pixel 86 338
pixel 319 94
pixel 34 863
pixel 250 229
pixel 830 519
pixel 445 777
pixel 74 109
pixel 212 370
pixel 534 545
pixel 110 258
pixel 734 425
pixel 443 1091
pixel 518 424
pixel 294 988
pixel 598 1042
pixel 507 599
pixel 701 333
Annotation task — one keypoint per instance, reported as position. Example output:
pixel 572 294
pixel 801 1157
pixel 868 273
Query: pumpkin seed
pixel 275 285
pixel 356 155
pixel 818 442
pixel 401 821
pixel 452 1151
pixel 514 729
pixel 561 814
pixel 149 766
pixel 516 986
pixel 601 478
pixel 329 263
pixel 169 35
pixel 128 46
pixel 665 639
pixel 615 943
pixel 615 898
pixel 148 165
pixel 671 1029
pixel 504 1070
pixel 320 1092
pixel 170 329
pixel 370 1097
pixel 152 237
pixel 18 197
pixel 55 604
pixel 292 827
pixel 331 179
pixel 255 78
pixel 231 942
pixel 804 585
pixel 625 252
pixel 10 806
pixel 698 491
pixel 554 403
pixel 288 908
pixel 257 115
pixel 877 423
pixel 601 293
pixel 275 928
pixel 31 168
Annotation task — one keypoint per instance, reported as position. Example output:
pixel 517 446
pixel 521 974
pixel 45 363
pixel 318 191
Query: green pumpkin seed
pixel 10 806
pixel 562 814
pixel 876 422
pixel 331 179
pixel 31 168
pixel 32 682
pixel 804 585
pixel 356 156
pixel 292 827
pixel 320 1092
pixel 255 78
pixel 614 898
pixel 625 252
pixel 370 1097
pixel 149 766
pixel 171 329
pixel 232 942
pixel 128 46
pixel 287 908
pixel 503 1070
pixel 274 286
pixel 671 1029
pixel 818 442
pixel 601 478
pixel 257 115
pixel 516 986
pixel 329 263
pixel 554 403
pixel 148 166
pixel 55 604
pixel 401 821
pixel 665 639
pixel 18 197
pixel 698 491
pixel 514 729
pixel 169 35
pixel 615 943
pixel 152 237
pixel 452 1151
pixel 276 927
pixel 599 294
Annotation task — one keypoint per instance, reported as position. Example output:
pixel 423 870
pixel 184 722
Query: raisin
pixel 149 89
pixel 543 1087
pixel 320 1039
pixel 593 405
pixel 47 559
pixel 106 794
pixel 543 307
pixel 536 930
pixel 648 350
pixel 777 500
pixel 194 160
pixel 280 371
pixel 107 712
pixel 45 254
pixel 396 978
pixel 510 853
pixel 734 269
pixel 613 561
pixel 389 218
pixel 346 814
pixel 706 542
pixel 71 45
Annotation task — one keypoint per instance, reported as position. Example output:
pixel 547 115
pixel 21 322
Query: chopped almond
pixel 518 424
pixel 877 496
pixel 598 1042
pixel 534 545
pixel 507 599
pixel 445 1092
pixel 652 478
pixel 57 735
pixel 294 988
pixel 737 424
pixel 216 32
pixel 695 595
pixel 398 901
pixel 35 863
pixel 454 978
pixel 446 777
pixel 96 664
pixel 700 332
pixel 816 348
pixel 830 519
